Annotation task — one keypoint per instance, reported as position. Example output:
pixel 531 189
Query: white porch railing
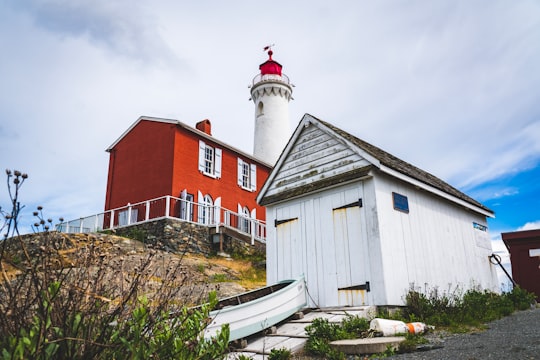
pixel 167 207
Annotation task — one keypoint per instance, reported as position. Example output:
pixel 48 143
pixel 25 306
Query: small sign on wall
pixel 481 236
pixel 401 203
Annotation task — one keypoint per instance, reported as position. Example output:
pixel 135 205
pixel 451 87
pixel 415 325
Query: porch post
pixel 167 205
pixel 252 230
pixel 112 220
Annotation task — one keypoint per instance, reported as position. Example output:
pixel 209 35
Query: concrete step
pixel 368 345
pixel 291 334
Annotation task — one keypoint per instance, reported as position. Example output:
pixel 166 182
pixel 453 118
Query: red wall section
pixel 140 164
pixel 187 176
pixel 157 158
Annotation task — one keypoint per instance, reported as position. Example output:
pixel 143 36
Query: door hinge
pixel 353 204
pixel 279 222
pixel 365 286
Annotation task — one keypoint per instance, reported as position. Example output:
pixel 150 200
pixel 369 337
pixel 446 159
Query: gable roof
pixel 196 131
pixel 379 159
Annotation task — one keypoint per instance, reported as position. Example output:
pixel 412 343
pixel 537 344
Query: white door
pixel 351 252
pixel 288 243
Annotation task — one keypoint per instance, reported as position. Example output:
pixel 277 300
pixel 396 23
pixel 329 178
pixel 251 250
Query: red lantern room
pixel 270 67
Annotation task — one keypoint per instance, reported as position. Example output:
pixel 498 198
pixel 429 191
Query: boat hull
pixel 259 312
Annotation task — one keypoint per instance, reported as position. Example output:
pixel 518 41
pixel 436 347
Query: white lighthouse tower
pixel 271 92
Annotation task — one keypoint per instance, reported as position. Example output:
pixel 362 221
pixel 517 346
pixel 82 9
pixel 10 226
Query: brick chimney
pixel 205 126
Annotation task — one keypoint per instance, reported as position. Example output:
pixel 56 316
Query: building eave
pixel 193 130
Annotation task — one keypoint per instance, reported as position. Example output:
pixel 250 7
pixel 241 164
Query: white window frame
pixel 247 175
pixel 206 210
pixel 244 219
pixel 210 160
pixel 186 206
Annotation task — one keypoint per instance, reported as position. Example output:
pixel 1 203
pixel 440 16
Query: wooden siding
pixel 315 156
pixel 158 158
pixel 140 165
pixel 308 239
pixel 524 247
pixel 434 245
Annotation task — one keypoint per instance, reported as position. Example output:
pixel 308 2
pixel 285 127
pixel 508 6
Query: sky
pixel 449 86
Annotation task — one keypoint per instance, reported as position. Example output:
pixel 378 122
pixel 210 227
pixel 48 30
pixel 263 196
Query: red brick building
pixel 158 157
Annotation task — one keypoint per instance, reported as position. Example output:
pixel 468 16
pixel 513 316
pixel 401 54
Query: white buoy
pixel 392 327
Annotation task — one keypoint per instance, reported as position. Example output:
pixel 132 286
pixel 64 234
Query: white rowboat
pixel 251 312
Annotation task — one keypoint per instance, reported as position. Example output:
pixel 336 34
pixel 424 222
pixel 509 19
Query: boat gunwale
pixel 259 299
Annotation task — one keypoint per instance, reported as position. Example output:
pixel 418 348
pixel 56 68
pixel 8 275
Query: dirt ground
pixel 197 275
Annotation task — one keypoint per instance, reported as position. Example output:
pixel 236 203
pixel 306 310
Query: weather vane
pixel 268 47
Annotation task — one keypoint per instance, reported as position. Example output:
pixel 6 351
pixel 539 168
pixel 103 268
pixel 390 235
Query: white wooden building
pixel 364 226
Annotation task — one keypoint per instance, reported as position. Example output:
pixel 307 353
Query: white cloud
pixel 124 27
pixel 535 225
pixel 450 86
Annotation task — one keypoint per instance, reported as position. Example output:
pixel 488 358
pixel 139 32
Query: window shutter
pixel 202 148
pixel 253 177
pixel 200 206
pixel 239 179
pixel 218 162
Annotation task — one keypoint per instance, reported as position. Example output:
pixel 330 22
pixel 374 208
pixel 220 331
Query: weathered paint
pixel 435 244
pixel 351 297
pixel 438 243
pixel 315 246
pixel 315 156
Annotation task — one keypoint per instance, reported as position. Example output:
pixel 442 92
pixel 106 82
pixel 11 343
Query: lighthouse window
pixel 209 160
pixel 247 175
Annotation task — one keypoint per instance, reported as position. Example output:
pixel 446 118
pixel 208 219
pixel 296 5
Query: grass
pixel 249 276
pixel 453 311
pixel 461 312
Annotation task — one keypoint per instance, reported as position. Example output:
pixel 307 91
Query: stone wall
pixel 171 235
pixel 179 236
pixel 235 246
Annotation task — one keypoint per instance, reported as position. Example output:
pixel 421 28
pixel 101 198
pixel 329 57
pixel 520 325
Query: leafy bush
pixel 355 327
pixel 455 310
pixel 321 332
pixel 280 354
pixel 521 298
pixel 65 300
